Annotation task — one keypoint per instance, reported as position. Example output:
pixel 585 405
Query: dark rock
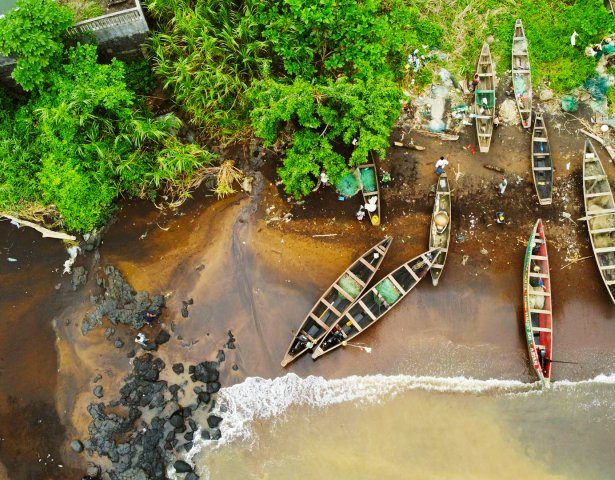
pixel 200 268
pixel 215 434
pixel 206 372
pixel 204 397
pixel 184 311
pixel 118 343
pixel 235 367
pixel 188 446
pixel 191 369
pixel 182 467
pixel 190 301
pixel 96 378
pixel 178 368
pixel 176 420
pixel 213 387
pixel 131 353
pixel 146 367
pixel 80 276
pixel 109 332
pixel 170 436
pixel 150 347
pixel 213 421
pixel 220 357
pixel 181 429
pixel 174 389
pixel 98 391
pixel 223 408
pixel 189 436
pixel 187 411
pixel 77 446
pixel 205 434
pixel 192 476
pixel 162 337
pixel 198 389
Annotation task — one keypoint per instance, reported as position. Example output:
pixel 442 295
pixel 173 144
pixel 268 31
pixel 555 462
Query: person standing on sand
pixel 475 82
pixel 361 213
pixel 502 185
pixel 441 164
pixel 324 180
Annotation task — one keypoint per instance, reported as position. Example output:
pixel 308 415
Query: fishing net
pixel 368 179
pixel 485 98
pixel 348 185
pixel 597 86
pixel 388 291
pixel 519 84
pixel 602 221
pixel 569 104
pixel 350 286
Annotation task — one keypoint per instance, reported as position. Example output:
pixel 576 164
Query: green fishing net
pixel 597 86
pixel 388 291
pixel 485 98
pixel 368 179
pixel 350 286
pixel 519 83
pixel 348 185
pixel 569 104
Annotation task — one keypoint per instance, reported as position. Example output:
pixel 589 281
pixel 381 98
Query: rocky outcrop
pixel 120 303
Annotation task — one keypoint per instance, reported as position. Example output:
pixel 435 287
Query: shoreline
pixel 259 279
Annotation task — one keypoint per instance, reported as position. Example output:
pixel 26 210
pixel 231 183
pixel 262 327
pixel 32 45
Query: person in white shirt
pixel 441 163
pixel 324 180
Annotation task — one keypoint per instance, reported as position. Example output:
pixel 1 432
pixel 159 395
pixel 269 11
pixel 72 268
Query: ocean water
pixel 6 5
pixel 390 427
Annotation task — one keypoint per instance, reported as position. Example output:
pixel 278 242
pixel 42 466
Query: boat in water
pixel 484 99
pixel 537 303
pixel 542 164
pixel 600 215
pixel 521 75
pixel 440 231
pixel 336 300
pixel 376 303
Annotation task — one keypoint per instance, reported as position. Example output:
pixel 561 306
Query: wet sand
pixel 259 279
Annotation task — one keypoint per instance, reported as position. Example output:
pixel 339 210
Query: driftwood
pixel 409 145
pixel 325 235
pixel 44 231
pixel 488 166
pixel 441 136
pixel 575 261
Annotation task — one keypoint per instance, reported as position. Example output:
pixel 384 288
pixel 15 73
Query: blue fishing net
pixel 368 179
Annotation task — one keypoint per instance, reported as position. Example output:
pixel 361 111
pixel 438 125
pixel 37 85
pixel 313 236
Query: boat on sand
pixel 484 99
pixel 542 164
pixel 336 300
pixel 440 231
pixel 521 75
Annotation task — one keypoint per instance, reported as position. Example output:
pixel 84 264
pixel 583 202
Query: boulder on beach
pixel 77 446
pixel 182 467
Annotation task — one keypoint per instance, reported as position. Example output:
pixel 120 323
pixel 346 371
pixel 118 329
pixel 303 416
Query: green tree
pixel 33 32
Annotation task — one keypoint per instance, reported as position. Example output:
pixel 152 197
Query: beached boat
pixel 336 300
pixel 600 215
pixel 440 232
pixel 371 191
pixel 484 99
pixel 537 303
pixel 376 303
pixel 542 164
pixel 521 75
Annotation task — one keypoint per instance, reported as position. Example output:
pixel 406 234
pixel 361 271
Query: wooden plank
pixel 604 250
pixel 354 322
pixel 610 282
pixel 539 293
pixel 367 264
pixel 538 257
pixel 539 275
pixel 355 278
pixel 607 267
pixel 367 310
pixel 591 135
pixel 541 169
pixel 599 194
pixel 536 310
pixel 602 230
pixel 540 139
pixel 319 321
pixel 411 272
pixel 541 329
pixel 397 285
pixel 331 307
pixel 344 293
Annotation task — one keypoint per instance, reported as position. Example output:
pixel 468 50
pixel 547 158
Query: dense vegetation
pixel 80 139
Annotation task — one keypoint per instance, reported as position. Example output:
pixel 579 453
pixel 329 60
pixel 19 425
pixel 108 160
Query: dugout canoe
pixel 440 231
pixel 376 303
pixel 537 304
pixel 484 99
pixel 542 164
pixel 521 75
pixel 368 173
pixel 600 215
pixel 336 300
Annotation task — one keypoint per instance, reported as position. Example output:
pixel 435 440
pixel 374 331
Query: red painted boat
pixel 537 304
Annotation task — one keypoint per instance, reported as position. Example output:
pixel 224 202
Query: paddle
pixel 562 361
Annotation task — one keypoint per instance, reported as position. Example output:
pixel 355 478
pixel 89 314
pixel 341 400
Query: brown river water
pixel 446 390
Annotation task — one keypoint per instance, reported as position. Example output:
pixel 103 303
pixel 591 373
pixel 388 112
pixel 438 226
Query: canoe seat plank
pixel 411 272
pixel 542 169
pixel 319 321
pixel 594 177
pixel 367 264
pixel 540 139
pixel 607 267
pixel 602 230
pixel 401 289
pixel 599 194
pixel 541 329
pixel 332 308
pixel 354 322
pixel 344 293
pixel 536 310
pixel 604 250
pixel 367 310
pixel 356 279
pixel 539 293
pixel 538 257
pixel 539 275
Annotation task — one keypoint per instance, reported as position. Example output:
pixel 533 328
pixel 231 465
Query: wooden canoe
pixel 368 173
pixel 600 215
pixel 542 164
pixel 521 75
pixel 537 304
pixel 376 303
pixel 440 232
pixel 336 300
pixel 484 99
